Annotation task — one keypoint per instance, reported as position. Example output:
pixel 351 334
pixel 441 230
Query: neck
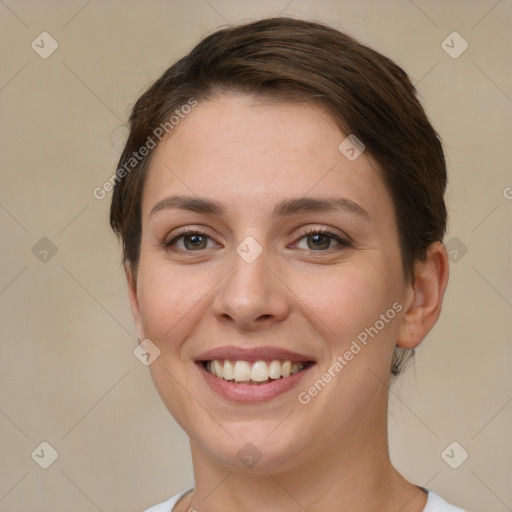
pixel 351 472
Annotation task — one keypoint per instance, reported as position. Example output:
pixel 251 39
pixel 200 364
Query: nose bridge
pixel 250 292
pixel 251 262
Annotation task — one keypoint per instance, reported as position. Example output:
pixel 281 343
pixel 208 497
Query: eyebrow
pixel 284 208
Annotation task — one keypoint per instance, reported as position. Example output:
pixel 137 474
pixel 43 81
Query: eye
pixel 192 240
pixel 320 240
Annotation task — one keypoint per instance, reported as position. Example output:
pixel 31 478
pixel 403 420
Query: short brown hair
pixel 366 93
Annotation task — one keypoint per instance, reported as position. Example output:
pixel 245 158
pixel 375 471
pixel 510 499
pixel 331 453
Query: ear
pixel 425 297
pixel 131 281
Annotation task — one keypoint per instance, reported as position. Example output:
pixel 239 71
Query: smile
pixel 252 374
pixel 258 373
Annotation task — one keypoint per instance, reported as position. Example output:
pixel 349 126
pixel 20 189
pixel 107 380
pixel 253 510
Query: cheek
pixel 168 298
pixel 339 301
pixel 348 299
pixel 356 303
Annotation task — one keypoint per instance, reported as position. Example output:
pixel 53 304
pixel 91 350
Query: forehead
pixel 249 154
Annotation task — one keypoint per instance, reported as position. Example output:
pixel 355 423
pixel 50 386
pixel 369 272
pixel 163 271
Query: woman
pixel 280 204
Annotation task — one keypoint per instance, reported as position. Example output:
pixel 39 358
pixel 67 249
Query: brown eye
pixel 192 241
pixel 320 240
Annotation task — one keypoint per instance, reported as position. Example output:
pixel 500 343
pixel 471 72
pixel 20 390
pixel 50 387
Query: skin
pixel 329 454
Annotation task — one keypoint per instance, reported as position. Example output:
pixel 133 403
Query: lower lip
pixel 248 393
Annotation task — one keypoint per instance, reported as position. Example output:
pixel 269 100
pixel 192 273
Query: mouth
pixel 252 375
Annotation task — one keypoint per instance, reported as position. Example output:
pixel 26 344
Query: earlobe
pixel 131 281
pixel 426 297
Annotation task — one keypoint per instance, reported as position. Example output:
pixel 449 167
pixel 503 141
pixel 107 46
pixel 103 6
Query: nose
pixel 252 294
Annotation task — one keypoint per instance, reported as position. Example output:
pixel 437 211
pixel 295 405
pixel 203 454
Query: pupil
pixel 195 240
pixel 317 237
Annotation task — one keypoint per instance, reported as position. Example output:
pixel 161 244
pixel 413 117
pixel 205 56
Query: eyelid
pixel 185 231
pixel 341 239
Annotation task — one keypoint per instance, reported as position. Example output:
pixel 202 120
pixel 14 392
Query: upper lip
pixel 265 353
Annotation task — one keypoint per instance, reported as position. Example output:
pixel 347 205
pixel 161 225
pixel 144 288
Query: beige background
pixel 68 375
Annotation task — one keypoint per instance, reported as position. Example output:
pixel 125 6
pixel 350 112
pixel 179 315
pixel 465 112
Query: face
pixel 272 271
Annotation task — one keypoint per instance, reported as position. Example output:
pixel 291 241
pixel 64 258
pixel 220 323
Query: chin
pixel 252 449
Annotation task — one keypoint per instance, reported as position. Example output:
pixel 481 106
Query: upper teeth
pixel 259 371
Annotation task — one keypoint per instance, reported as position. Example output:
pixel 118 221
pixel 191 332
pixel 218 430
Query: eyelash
pixel 169 245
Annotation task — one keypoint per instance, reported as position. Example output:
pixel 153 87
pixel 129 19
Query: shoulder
pixel 168 505
pixel 436 504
